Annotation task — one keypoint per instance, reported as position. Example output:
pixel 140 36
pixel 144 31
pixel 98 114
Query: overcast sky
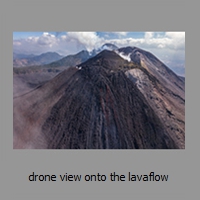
pixel 169 47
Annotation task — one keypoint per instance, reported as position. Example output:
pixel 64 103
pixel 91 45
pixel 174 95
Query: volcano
pixel 106 102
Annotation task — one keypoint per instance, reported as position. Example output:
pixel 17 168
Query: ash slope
pixel 162 88
pixel 97 106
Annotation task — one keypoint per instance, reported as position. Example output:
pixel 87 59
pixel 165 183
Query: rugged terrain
pixel 104 102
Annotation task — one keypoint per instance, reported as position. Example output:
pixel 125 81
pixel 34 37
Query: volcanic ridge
pixel 103 102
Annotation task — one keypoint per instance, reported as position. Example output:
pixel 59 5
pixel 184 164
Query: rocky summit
pixel 106 102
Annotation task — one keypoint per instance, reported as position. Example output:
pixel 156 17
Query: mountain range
pixel 20 60
pixel 121 98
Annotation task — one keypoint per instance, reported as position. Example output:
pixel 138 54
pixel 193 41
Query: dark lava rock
pixel 96 105
pixel 103 110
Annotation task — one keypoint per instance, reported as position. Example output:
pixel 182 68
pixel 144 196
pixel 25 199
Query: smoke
pixel 125 57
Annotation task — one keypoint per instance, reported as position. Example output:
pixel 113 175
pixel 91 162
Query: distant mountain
pixel 42 59
pixel 121 99
pixel 71 60
pixel 22 56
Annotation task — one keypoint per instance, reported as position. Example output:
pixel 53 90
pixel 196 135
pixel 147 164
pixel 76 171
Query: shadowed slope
pixel 103 110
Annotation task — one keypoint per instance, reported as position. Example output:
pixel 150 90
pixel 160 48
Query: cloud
pixel 75 41
pixel 177 39
pixel 121 33
pixel 89 40
pixel 47 39
pixel 37 44
pixel 58 33
pixel 175 35
pixel 170 40
pixel 148 35
pixel 16 43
